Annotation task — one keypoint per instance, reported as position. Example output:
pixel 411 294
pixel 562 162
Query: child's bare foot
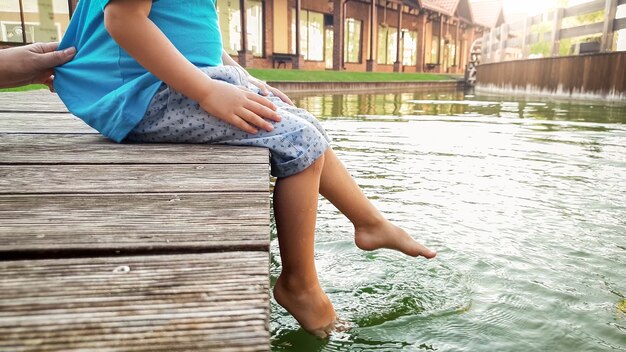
pixel 384 234
pixel 308 304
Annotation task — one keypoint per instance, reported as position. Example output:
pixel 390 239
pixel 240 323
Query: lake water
pixel 525 202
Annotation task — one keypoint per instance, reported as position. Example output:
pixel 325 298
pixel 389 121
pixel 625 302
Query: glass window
pixel 451 54
pixel 254 16
pixel 315 45
pixel 409 48
pixel 387 44
pixel 434 50
pixel 44 20
pixel 329 47
pixel 230 25
pixel 352 40
pixel 311 34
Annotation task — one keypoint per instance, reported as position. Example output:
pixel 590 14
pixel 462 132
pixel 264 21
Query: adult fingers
pixel 42 76
pixel 46 47
pixel 56 58
pixel 49 82
pixel 255 120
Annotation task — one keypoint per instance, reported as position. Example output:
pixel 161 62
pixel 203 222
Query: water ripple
pixel 524 201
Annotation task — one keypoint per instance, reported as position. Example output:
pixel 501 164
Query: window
pixel 387 44
pixel 352 40
pixel 409 48
pixel 434 50
pixel 230 25
pixel 45 20
pixel 254 16
pixel 329 47
pixel 451 54
pixel 311 34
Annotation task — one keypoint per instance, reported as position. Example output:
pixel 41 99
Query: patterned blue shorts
pixel 295 143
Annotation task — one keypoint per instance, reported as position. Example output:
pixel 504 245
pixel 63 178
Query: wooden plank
pixel 579 31
pixel 151 178
pixel 610 11
pixel 21 122
pixel 42 225
pixel 619 23
pixel 202 302
pixel 38 100
pixel 599 74
pixel 95 149
pixel 584 8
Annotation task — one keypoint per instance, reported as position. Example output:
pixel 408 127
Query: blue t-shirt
pixel 104 85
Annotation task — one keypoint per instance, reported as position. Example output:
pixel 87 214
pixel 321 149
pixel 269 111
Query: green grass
pixel 24 88
pixel 277 75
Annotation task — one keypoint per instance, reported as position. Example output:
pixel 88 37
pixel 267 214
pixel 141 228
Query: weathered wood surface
pixel 94 149
pixel 201 302
pixel 150 178
pixel 596 75
pixel 46 225
pixel 75 206
pixel 33 101
pixel 42 123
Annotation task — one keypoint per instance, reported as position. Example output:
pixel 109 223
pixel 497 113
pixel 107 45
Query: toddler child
pixel 155 71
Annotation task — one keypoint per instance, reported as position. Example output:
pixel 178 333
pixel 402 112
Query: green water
pixel 525 202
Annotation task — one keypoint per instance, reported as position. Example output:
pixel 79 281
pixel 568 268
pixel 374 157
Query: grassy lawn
pixel 277 75
pixel 24 88
pixel 342 76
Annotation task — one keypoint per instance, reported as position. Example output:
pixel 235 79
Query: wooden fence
pixel 513 41
pixel 585 76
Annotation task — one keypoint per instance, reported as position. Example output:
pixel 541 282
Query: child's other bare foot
pixel 308 304
pixel 384 234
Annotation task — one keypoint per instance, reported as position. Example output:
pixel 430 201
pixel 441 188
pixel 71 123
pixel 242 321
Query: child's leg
pixel 372 230
pixel 298 289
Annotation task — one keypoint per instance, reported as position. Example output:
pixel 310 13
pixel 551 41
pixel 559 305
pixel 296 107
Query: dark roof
pixel 412 3
pixel 464 11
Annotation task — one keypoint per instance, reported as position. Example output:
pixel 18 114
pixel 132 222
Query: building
pixel 355 35
pixel 28 21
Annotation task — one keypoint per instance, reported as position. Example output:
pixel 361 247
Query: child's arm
pixel 128 24
pixel 264 87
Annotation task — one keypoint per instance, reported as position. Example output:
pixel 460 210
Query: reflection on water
pixel 456 103
pixel 524 201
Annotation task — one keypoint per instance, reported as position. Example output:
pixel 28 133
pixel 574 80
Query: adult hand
pixel 266 89
pixel 31 63
pixel 239 107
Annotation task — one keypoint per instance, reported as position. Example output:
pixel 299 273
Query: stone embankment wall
pixel 365 87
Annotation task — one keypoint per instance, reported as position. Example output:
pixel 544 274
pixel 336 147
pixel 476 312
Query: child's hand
pixel 239 107
pixel 266 88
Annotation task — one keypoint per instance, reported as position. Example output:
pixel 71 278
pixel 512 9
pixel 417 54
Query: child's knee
pixel 318 165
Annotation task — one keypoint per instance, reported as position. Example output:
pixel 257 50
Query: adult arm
pixel 128 24
pixel 31 63
pixel 264 87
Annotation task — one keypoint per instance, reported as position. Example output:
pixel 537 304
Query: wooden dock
pixel 127 247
